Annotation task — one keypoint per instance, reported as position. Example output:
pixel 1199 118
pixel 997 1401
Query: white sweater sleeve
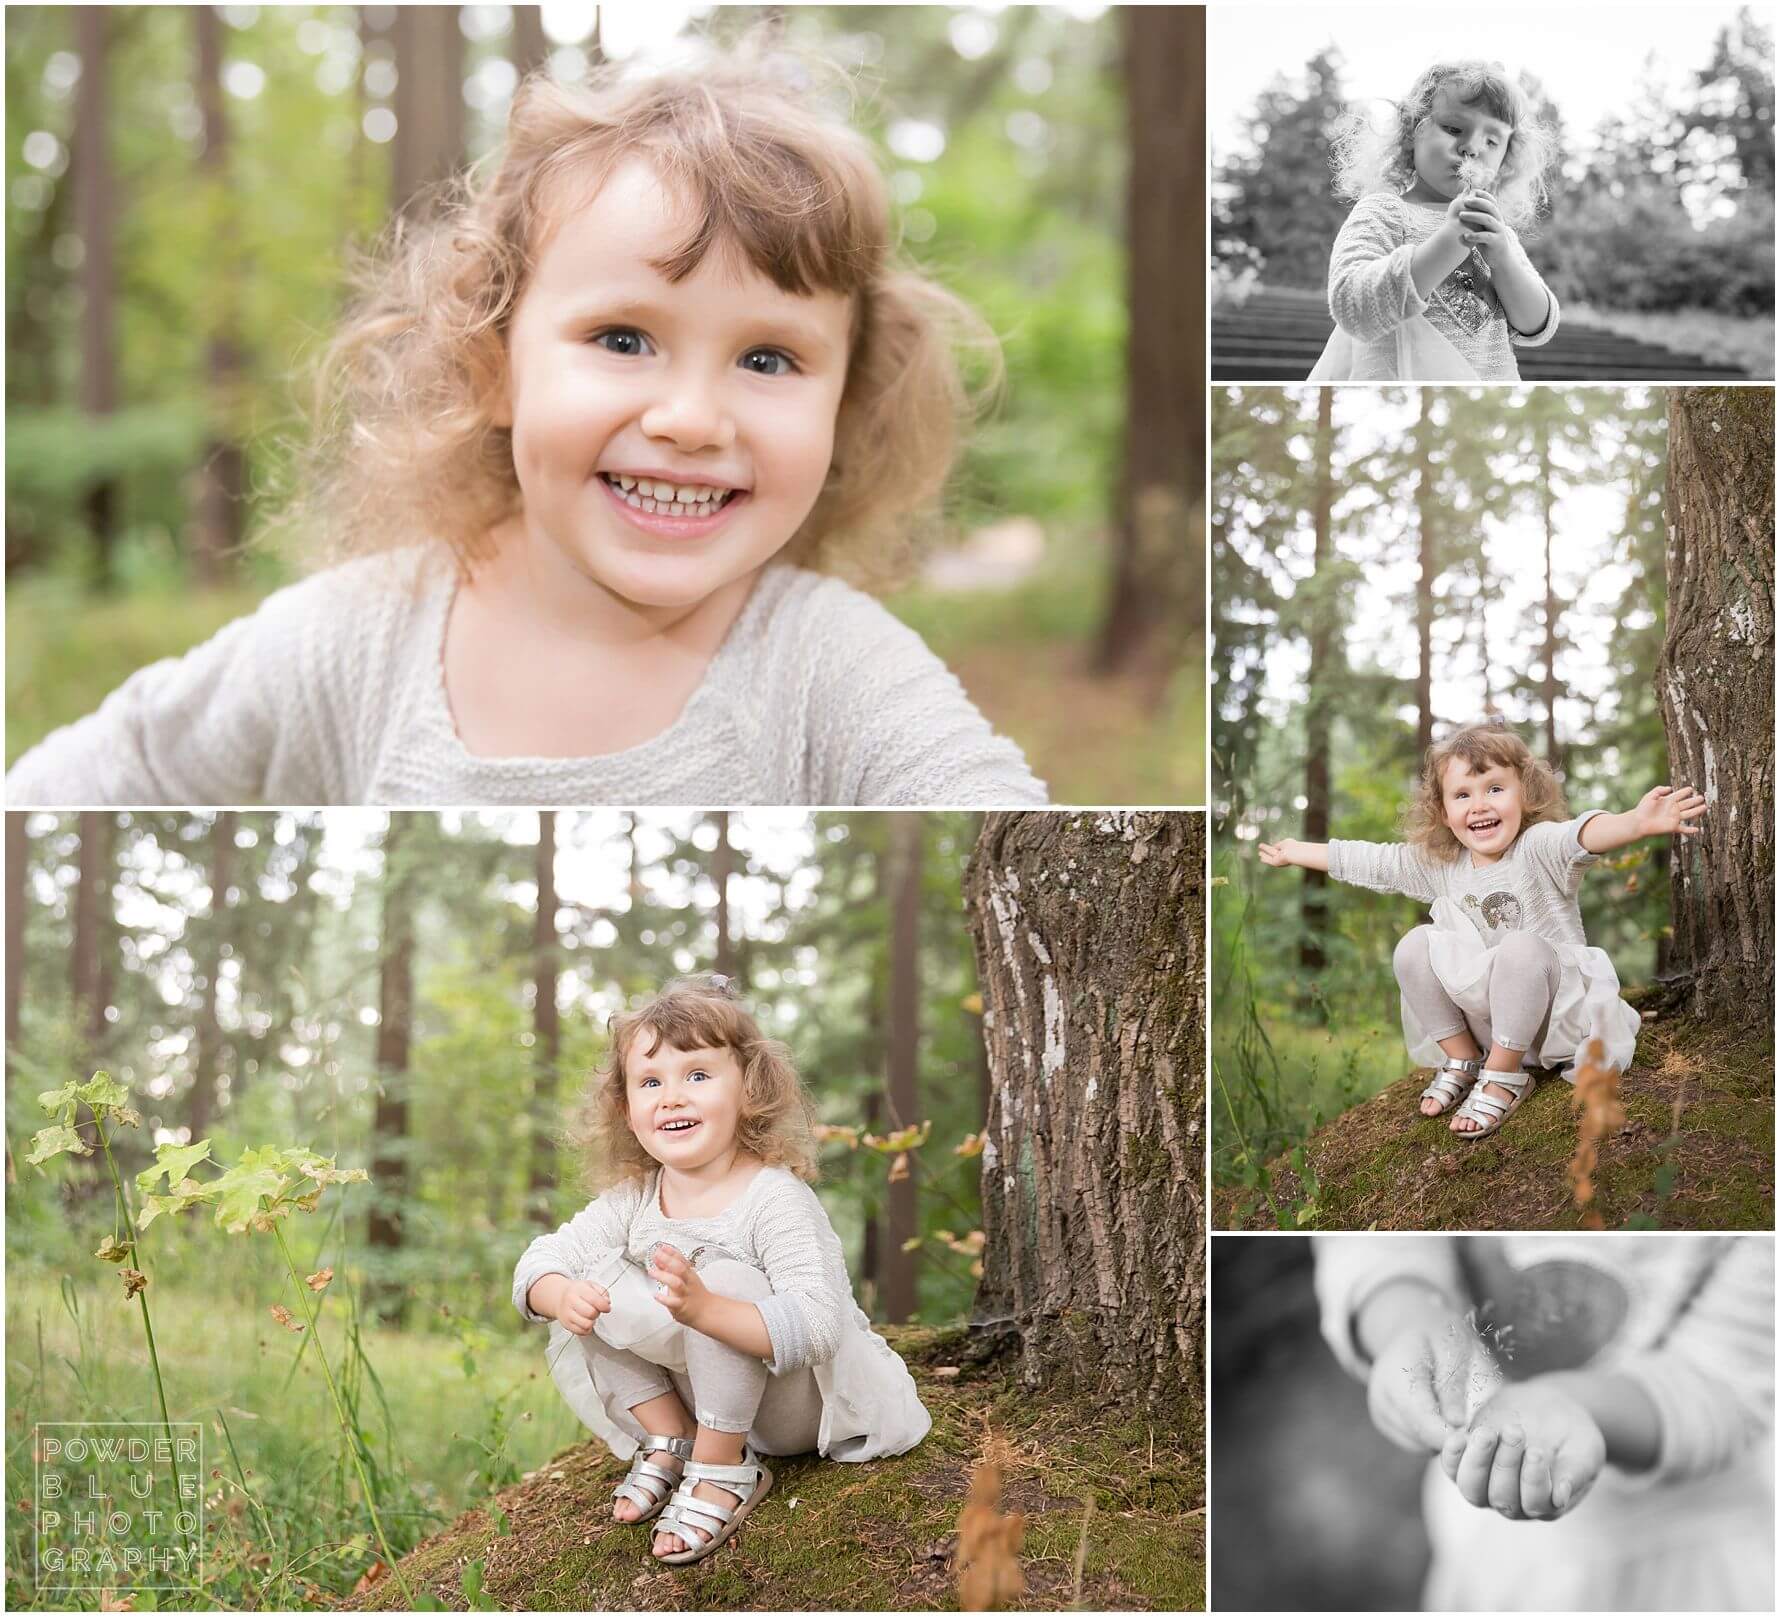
pixel 211 727
pixel 1385 867
pixel 1350 1268
pixel 1371 291
pixel 797 1245
pixel 1712 1377
pixel 572 1249
pixel 888 723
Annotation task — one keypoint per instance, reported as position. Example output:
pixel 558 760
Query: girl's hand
pixel 1666 810
pixel 1426 1380
pixel 1531 1454
pixel 582 1303
pixel 1482 226
pixel 1278 854
pixel 678 1288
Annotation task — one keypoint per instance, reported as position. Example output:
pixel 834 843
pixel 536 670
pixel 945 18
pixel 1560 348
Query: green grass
pixel 227 1361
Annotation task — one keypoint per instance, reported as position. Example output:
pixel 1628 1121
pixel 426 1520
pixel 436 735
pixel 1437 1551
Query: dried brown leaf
pixel 319 1280
pixel 285 1318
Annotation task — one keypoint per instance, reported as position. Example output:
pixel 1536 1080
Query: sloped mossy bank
pixel 1696 1153
pixel 878 1536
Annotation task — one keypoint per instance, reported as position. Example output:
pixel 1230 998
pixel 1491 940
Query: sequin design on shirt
pixel 1500 912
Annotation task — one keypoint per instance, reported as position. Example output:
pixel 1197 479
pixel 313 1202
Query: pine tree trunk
pixel 546 1026
pixel 1424 589
pixel 1089 931
pixel 530 49
pixel 901 1281
pixel 722 864
pixel 428 102
pixel 222 858
pixel 395 1005
pixel 83 981
pixel 1715 680
pixel 95 209
pixel 1313 904
pixel 1158 552
pixel 1549 685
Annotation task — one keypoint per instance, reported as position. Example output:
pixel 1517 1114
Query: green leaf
pixel 257 1176
pixel 60 1100
pixel 52 1142
pixel 1665 1180
pixel 1641 1221
pixel 503 1528
pixel 104 1093
pixel 1307 1214
pixel 173 1162
pixel 189 1194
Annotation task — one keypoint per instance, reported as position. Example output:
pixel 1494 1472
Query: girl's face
pixel 669 437
pixel 1458 147
pixel 1483 810
pixel 684 1105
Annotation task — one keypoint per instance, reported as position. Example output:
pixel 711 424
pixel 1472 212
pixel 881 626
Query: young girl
pixel 1617 1393
pixel 1428 280
pixel 701 1307
pixel 1504 968
pixel 598 455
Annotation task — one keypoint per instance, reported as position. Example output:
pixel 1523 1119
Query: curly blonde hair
pixel 696 1013
pixel 1482 746
pixel 404 445
pixel 1368 158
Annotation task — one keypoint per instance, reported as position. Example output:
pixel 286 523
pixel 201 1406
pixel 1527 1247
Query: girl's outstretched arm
pixel 1290 851
pixel 1661 811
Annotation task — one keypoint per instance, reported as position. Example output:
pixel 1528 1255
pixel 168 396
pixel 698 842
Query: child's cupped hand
pixel 1669 811
pixel 677 1286
pixel 1426 1381
pixel 582 1303
pixel 1481 225
pixel 1531 1453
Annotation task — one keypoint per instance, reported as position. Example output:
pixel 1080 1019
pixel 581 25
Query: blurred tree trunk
pixel 530 49
pixel 18 855
pixel 428 103
pixel 1157 597
pixel 1548 689
pixel 395 1006
pixel 222 863
pixel 722 862
pixel 1424 588
pixel 1715 680
pixel 546 1026
pixel 221 477
pixel 95 209
pixel 901 1289
pixel 84 960
pixel 1088 931
pixel 1313 903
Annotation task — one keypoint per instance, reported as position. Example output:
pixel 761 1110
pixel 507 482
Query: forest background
pixel 425 997
pixel 185 184
pixel 1389 564
pixel 1661 221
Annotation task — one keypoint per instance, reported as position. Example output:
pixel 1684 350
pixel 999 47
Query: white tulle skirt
pixel 1704 1544
pixel 1421 355
pixel 1587 1000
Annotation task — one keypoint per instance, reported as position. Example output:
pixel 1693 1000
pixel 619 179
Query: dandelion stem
pixel 358 1465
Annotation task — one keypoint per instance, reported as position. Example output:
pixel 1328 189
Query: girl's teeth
pixel 669 499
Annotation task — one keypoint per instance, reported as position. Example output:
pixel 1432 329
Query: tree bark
pixel 84 958
pixel 18 854
pixel 395 1003
pixel 1158 549
pixel 95 208
pixel 546 1026
pixel 1424 588
pixel 531 49
pixel 222 861
pixel 428 102
pixel 1089 933
pixel 1313 903
pixel 901 1280
pixel 722 863
pixel 1715 681
pixel 221 478
pixel 1548 688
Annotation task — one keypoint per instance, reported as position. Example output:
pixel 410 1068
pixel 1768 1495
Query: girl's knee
pixel 729 1277
pixel 1411 953
pixel 1531 952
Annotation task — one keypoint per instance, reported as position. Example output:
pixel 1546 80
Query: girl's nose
pixel 689 415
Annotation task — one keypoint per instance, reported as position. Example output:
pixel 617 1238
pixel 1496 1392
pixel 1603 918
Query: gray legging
pixel 1523 984
pixel 726 1390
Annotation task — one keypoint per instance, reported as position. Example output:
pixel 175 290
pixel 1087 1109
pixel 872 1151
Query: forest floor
pixel 1113 1509
pixel 1696 1153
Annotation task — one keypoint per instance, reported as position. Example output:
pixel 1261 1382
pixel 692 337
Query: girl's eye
pixel 768 362
pixel 623 340
pixel 698 1072
pixel 646 1082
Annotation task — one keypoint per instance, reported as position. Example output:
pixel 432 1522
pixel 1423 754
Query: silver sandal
pixel 1488 1111
pixel 1446 1088
pixel 647 1486
pixel 703 1524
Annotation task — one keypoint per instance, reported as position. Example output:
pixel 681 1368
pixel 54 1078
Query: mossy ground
pixel 1698 1100
pixel 878 1536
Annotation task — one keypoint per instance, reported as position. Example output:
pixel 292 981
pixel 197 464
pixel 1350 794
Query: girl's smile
pixel 684 1105
pixel 1483 810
